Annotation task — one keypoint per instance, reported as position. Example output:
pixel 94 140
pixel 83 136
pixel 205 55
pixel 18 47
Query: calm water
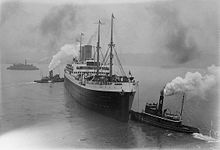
pixel 36 115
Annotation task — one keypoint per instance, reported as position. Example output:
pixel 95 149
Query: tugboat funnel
pixel 51 74
pixel 160 107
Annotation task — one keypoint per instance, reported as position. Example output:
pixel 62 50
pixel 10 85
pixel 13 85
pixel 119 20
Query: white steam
pixel 66 50
pixel 194 83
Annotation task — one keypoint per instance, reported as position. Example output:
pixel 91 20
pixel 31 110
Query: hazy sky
pixel 175 31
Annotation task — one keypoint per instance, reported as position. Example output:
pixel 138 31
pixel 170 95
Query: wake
pixel 17 84
pixel 206 138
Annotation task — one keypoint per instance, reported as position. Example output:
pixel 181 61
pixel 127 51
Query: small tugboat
pixel 21 66
pixel 50 79
pixel 154 115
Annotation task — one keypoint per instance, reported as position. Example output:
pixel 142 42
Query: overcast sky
pixel 173 30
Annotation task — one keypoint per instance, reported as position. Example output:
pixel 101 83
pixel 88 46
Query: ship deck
pixel 110 86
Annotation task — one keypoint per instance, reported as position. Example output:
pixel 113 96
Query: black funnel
pixel 160 107
pixel 51 74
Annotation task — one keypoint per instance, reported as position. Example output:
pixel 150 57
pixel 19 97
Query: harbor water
pixel 35 116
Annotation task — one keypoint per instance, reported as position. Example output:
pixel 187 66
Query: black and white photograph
pixel 109 74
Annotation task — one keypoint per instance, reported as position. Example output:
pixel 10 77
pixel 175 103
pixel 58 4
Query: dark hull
pixel 40 81
pixel 60 80
pixel 13 68
pixel 112 104
pixel 175 126
pixel 49 81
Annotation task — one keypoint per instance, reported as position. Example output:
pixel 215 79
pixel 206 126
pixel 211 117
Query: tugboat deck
pixel 143 117
pixel 154 115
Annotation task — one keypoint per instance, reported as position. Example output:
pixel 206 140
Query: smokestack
pixel 86 52
pixel 51 74
pixel 160 107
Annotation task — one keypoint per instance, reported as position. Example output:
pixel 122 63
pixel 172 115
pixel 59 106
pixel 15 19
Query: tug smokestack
pixel 160 107
pixel 51 74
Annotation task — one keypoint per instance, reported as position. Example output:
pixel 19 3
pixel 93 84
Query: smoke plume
pixel 176 38
pixel 58 19
pixel 92 37
pixel 194 83
pixel 9 9
pixel 168 31
pixel 59 24
pixel 66 50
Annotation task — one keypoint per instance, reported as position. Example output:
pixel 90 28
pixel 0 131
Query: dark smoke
pixel 92 37
pixel 181 49
pixel 9 9
pixel 177 41
pixel 59 19
pixel 58 23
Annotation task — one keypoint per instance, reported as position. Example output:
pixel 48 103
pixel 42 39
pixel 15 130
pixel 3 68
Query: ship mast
pixel 181 112
pixel 98 47
pixel 80 46
pixel 111 47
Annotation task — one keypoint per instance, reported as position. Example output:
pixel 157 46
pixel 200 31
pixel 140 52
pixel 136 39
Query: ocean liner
pixel 92 83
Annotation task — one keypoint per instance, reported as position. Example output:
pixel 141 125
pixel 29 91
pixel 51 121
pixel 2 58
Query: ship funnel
pixel 51 73
pixel 86 52
pixel 160 107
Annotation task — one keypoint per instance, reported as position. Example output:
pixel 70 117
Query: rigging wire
pixel 94 55
pixel 101 52
pixel 120 65
pixel 106 55
pixel 107 59
pixel 138 95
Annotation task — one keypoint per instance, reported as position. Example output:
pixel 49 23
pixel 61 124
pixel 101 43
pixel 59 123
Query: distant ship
pixel 93 84
pixel 24 66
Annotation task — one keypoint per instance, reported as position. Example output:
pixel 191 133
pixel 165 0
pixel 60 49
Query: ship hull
pixel 160 122
pixel 112 104
pixel 11 68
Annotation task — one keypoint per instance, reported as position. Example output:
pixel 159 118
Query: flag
pixel 113 16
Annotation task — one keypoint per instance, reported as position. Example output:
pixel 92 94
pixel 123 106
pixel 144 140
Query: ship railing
pixel 151 105
pixel 173 116
pixel 107 83
pixel 99 82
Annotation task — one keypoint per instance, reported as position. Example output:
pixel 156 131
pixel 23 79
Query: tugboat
pixel 24 66
pixel 93 84
pixel 50 79
pixel 154 115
